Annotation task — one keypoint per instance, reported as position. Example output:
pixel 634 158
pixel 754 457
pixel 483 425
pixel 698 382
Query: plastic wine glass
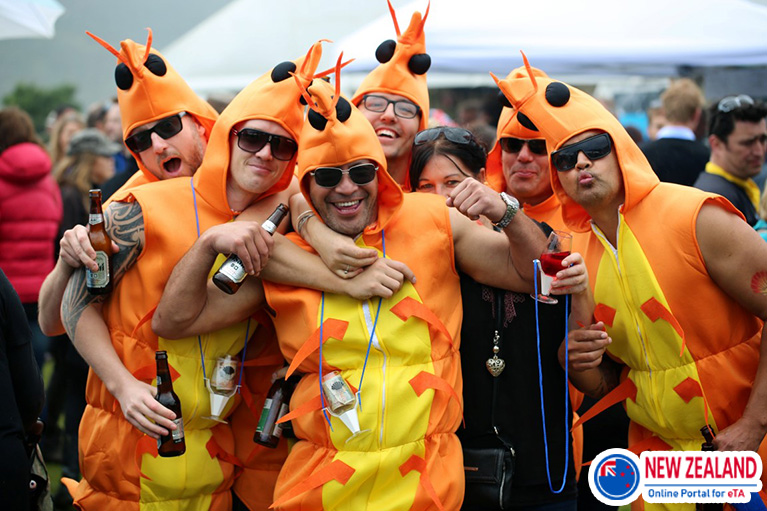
pixel 558 247
pixel 222 385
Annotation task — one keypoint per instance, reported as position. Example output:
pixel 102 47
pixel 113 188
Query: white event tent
pixel 466 39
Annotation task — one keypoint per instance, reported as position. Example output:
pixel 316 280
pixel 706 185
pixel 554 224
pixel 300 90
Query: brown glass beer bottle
pixel 277 403
pixel 99 282
pixel 172 444
pixel 230 275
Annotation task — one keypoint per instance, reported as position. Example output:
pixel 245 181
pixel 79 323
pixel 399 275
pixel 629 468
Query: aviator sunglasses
pixel 328 177
pixel 166 128
pixel 459 136
pixel 594 148
pixel 252 141
pixel 515 145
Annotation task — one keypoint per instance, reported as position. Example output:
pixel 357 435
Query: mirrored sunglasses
pixel 166 128
pixel 515 145
pixel 730 103
pixel 594 148
pixel 328 177
pixel 252 141
pixel 460 136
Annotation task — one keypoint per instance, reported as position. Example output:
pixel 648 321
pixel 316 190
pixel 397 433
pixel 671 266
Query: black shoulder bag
pixel 489 470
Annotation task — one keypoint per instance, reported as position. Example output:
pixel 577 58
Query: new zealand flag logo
pixel 614 477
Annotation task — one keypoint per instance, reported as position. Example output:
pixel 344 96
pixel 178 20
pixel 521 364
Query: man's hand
pixel 248 240
pixel 743 435
pixel 573 279
pixel 76 249
pixel 382 278
pixel 585 346
pixel 473 199
pixel 142 410
pixel 342 256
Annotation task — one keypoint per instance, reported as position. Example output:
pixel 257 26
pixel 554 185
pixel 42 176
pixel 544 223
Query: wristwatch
pixel 512 206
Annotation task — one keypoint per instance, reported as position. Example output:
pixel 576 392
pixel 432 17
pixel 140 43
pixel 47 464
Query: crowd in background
pixel 44 192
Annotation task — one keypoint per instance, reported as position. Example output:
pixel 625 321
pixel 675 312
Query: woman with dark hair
pixel 500 360
pixel 439 163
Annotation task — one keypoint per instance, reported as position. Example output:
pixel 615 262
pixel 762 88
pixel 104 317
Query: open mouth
pixel 172 166
pixel 387 133
pixel 347 207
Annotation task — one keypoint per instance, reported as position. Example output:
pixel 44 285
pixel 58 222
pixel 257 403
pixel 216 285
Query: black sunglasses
pixel 328 177
pixel 515 145
pixel 166 128
pixel 460 136
pixel 402 107
pixel 594 148
pixel 252 141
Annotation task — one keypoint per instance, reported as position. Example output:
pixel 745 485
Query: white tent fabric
pixel 651 37
pixel 21 19
pixel 468 38
pixel 248 37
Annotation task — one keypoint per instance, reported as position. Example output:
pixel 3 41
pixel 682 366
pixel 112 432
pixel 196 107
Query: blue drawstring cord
pixel 540 386
pixel 367 353
pixel 199 338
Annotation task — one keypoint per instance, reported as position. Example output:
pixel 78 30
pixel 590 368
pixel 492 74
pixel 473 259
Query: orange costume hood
pixel 149 89
pixel 508 126
pixel 272 97
pixel 337 133
pixel 403 66
pixel 562 112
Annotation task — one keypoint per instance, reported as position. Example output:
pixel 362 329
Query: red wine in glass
pixel 557 249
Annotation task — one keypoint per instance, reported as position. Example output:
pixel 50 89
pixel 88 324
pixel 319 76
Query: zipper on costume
pixel 369 322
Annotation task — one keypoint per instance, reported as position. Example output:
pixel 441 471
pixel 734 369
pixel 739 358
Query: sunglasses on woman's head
pixel 456 135
pixel 594 148
pixel 252 141
pixel 166 128
pixel 515 145
pixel 328 177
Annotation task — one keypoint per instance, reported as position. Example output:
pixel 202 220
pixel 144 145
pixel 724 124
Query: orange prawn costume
pixel 548 211
pixel 149 89
pixel 120 467
pixel 690 361
pixel 402 69
pixel 408 456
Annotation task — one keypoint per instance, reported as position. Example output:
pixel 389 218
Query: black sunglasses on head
pixel 328 177
pixel 252 141
pixel 515 145
pixel 594 148
pixel 166 128
pixel 460 136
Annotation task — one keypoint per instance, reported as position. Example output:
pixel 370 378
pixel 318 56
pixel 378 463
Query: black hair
pixel 722 124
pixel 472 155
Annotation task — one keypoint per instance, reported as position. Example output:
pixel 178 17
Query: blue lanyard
pixel 540 386
pixel 370 342
pixel 199 338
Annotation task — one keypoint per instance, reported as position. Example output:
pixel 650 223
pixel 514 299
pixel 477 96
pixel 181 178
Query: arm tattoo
pixel 124 223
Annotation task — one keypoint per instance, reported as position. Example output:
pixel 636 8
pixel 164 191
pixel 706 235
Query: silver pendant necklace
pixel 495 365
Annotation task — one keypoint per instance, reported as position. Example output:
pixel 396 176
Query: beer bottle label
pixel 95 218
pixel 264 415
pixel 278 427
pixel 269 226
pixel 178 433
pixel 100 278
pixel 233 269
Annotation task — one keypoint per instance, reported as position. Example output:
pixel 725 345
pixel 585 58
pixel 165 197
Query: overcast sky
pixel 73 57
